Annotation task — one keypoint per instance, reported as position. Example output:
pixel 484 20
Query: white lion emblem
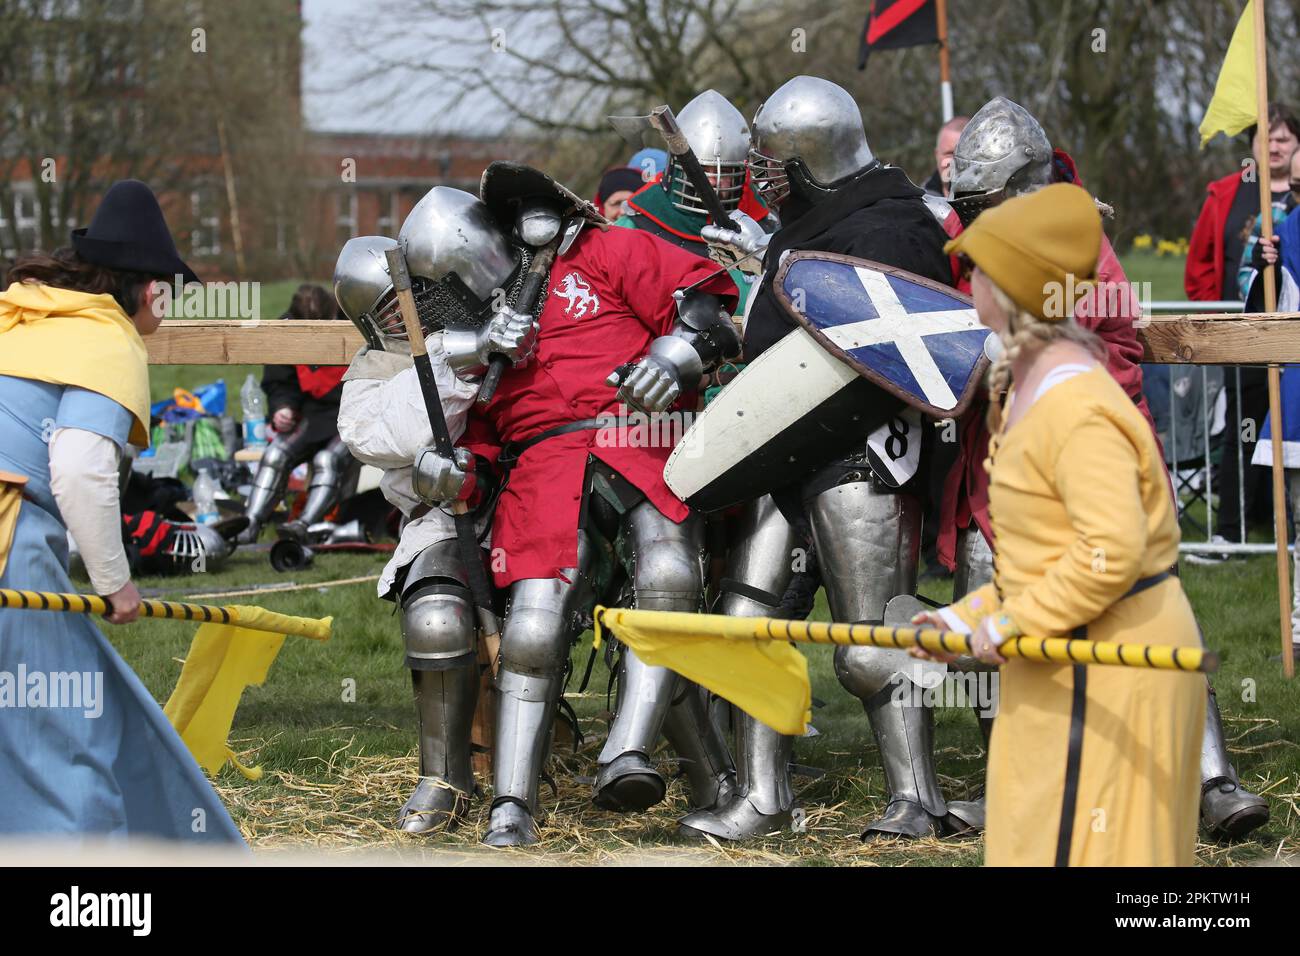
pixel 575 288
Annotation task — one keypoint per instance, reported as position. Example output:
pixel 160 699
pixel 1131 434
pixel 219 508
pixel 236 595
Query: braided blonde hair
pixel 1027 331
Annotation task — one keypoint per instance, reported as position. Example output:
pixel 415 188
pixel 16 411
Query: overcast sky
pixel 332 98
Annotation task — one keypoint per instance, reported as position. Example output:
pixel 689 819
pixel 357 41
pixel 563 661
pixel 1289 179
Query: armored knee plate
pixel 438 631
pixel 540 625
pixel 668 572
pixel 667 576
pixel 331 468
pixel 1228 809
pixel 868 541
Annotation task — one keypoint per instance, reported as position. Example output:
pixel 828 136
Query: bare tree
pixel 174 94
pixel 1121 84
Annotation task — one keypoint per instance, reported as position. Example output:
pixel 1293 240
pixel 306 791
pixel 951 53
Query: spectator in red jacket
pixel 1220 235
pixel 1229 211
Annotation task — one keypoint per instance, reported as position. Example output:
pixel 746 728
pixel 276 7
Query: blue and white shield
pixel 911 336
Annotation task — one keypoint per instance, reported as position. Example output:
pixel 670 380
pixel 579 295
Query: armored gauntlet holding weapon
pixel 703 337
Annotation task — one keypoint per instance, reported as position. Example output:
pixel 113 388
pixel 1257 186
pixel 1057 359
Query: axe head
pixel 659 120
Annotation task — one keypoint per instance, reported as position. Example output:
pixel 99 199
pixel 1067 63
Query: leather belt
pixel 1143 583
pixel 511 451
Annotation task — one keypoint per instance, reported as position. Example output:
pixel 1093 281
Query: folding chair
pixel 1185 402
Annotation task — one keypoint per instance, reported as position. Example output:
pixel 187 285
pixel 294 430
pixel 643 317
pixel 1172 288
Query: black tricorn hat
pixel 130 234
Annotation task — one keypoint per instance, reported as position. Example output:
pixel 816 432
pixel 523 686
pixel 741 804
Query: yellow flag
pixel 767 679
pixel 1233 106
pixel 223 660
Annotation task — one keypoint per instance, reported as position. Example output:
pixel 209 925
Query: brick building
pixel 293 195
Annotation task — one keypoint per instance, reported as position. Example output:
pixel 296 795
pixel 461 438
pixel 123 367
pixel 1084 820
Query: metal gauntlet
pixel 435 479
pixel 509 333
pixel 704 336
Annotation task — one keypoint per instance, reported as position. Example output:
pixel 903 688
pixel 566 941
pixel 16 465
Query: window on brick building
pixel 345 220
pixel 27 212
pixel 386 224
pixel 205 218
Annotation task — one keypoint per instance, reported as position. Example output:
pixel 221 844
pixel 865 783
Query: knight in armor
pixel 383 422
pixel 670 206
pixel 811 162
pixel 1004 152
pixel 304 405
pixel 574 496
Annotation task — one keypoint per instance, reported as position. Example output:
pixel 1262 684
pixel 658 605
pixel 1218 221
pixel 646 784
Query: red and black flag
pixel 894 24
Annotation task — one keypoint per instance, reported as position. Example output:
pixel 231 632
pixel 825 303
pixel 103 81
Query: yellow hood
pixel 75 338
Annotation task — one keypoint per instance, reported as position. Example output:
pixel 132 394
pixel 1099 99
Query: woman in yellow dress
pixel 1088 766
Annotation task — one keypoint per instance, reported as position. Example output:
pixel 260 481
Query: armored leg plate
pixel 510 825
pixel 628 784
pixel 433 805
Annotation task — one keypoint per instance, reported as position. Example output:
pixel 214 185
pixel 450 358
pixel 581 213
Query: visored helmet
pixel 807 137
pixel 455 247
pixel 1002 152
pixel 364 289
pixel 719 137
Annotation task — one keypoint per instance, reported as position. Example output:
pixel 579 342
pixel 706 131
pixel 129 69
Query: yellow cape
pixel 75 338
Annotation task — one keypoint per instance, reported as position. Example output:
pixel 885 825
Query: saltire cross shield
pixel 869 342
pixel 913 337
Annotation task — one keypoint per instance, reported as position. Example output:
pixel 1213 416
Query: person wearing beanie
pixel 1088 766
pixel 74 390
pixel 617 186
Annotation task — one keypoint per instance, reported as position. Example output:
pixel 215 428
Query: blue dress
pixel 93 754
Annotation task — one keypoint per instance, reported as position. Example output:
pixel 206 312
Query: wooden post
pixel 945 84
pixel 1274 376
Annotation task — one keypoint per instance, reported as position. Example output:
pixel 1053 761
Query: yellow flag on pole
pixel 1233 107
pixel 767 679
pixel 223 660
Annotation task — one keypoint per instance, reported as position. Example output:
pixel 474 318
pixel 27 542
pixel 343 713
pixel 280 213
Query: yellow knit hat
pixel 1031 246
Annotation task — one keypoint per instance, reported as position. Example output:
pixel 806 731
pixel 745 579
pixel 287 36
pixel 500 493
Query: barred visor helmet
pixel 719 137
pixel 364 289
pixel 807 137
pixel 461 257
pixel 197 547
pixel 1002 152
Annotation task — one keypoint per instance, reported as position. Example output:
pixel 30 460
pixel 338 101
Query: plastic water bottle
pixel 205 499
pixel 254 402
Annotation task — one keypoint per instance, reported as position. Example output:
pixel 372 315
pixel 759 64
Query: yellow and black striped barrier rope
pixel 1052 650
pixel 255 618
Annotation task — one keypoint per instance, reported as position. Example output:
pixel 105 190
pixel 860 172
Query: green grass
pixel 1165 273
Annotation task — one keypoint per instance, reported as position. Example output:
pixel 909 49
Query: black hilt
pixel 529 293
